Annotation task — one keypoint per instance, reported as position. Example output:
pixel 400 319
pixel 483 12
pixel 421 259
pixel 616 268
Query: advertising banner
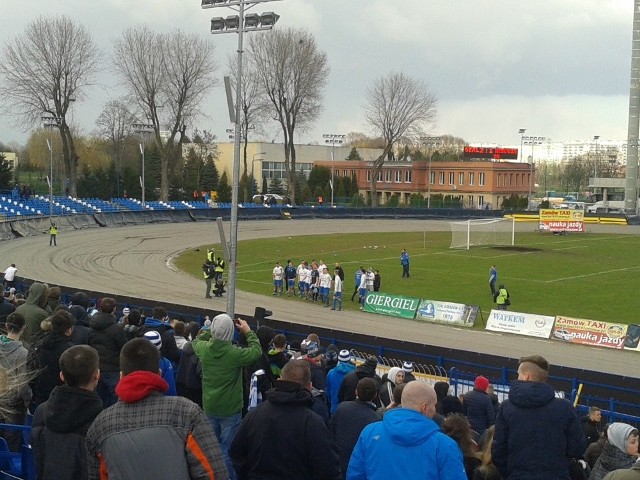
pixel 527 324
pixel 447 312
pixel 394 305
pixel 590 332
pixel 562 220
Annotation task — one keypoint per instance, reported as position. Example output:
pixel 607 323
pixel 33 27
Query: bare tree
pixel 115 124
pixel 255 104
pixel 167 76
pixel 43 71
pixel 398 108
pixel 293 73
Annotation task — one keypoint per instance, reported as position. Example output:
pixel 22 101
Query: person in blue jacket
pixel 407 443
pixel 335 377
pixel 404 261
pixel 166 368
pixel 358 275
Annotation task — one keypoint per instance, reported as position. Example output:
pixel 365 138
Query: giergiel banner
pixel 394 305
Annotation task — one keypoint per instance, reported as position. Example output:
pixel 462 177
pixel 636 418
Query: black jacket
pixel 346 424
pixel 58 431
pixel 347 389
pixel 108 338
pixel 47 353
pixel 534 420
pixel 169 348
pixel 478 408
pixel 189 371
pixel 81 329
pixel 283 439
pixel 590 429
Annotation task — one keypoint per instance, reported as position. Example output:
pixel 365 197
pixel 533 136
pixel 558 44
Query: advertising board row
pixel 566 329
pixel 421 309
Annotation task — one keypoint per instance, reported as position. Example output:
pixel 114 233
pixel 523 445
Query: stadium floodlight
pixel 252 20
pixel 232 22
pixel 269 19
pixel 487 232
pixel 236 24
pixel 333 139
pixel 217 24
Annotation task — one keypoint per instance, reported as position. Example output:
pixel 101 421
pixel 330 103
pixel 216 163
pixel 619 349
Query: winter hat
pixel 222 327
pixel 331 356
pixel 618 433
pixel 371 362
pixel 481 383
pixel 442 390
pixel 126 311
pixel 310 348
pixel 407 367
pixel 154 337
pixel 344 356
pixel 393 374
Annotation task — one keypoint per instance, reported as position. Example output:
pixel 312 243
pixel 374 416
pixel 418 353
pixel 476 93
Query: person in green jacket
pixel 222 364
pixel 502 298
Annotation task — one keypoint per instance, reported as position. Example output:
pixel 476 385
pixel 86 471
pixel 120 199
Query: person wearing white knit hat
pixel 407 368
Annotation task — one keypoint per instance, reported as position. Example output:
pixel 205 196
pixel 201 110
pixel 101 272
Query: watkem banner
pixel 394 305
pixel 562 220
pixel 527 324
pixel 447 312
pixel 590 332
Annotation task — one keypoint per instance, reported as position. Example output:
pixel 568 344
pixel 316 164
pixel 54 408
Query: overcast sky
pixel 559 68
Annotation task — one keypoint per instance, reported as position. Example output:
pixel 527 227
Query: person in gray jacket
pixel 13 358
pixel 147 434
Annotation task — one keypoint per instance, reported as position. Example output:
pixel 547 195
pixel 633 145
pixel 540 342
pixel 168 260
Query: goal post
pixel 472 233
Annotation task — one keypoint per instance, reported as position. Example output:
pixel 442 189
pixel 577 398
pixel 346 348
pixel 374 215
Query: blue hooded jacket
pixel 537 434
pixel 334 379
pixel 419 449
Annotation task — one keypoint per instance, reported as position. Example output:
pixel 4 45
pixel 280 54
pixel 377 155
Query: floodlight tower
pixel 142 129
pixel 50 122
pixel 533 141
pixel 333 139
pixel 432 143
pixel 239 24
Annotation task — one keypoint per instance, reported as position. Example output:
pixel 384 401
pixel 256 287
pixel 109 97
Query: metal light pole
pixel 333 139
pixel 237 24
pixel 533 141
pixel 595 162
pixel 143 129
pixel 432 143
pixel 252 177
pixel 49 122
pixel 521 132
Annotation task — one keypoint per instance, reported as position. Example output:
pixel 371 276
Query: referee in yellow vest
pixel 53 234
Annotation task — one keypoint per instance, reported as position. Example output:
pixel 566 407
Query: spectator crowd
pixel 128 395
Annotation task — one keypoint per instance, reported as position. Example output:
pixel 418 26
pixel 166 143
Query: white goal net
pixel 472 233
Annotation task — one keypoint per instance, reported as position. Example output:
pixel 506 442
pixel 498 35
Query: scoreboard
pixel 497 153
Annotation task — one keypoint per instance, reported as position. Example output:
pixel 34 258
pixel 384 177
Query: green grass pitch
pixel 593 276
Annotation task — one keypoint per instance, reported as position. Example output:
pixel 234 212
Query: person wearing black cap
pixel 348 386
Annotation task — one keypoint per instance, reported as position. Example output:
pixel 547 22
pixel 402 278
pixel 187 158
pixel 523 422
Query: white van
pixel 613 206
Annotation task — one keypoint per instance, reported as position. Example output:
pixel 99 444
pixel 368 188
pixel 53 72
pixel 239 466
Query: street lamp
pixel 50 121
pixel 533 141
pixel 237 24
pixel 333 139
pixel 521 132
pixel 432 143
pixel 595 163
pixel 252 178
pixel 143 129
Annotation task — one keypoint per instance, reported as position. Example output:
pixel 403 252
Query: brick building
pixel 478 183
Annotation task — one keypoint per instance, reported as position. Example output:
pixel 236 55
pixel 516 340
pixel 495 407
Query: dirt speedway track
pixel 136 262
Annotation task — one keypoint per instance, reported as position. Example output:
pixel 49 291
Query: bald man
pixel 537 434
pixel 407 443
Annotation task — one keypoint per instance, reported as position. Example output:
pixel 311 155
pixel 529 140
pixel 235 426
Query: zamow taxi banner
pixel 562 220
pixel 590 332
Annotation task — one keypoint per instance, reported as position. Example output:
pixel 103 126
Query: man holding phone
pixel 222 363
